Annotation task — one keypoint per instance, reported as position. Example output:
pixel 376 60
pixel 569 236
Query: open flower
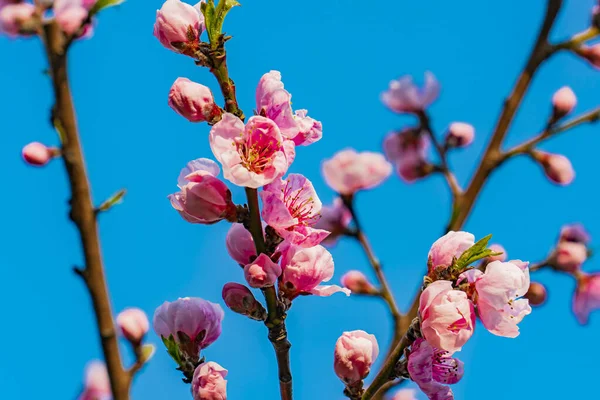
pixel 209 382
pixel 304 269
pixel 349 171
pixel 404 96
pixel 335 219
pixel 497 295
pixel 274 102
pixel 252 155
pixel 203 198
pixel 407 150
pixel 587 296
pixel 355 352
pixel 447 316
pixel 291 206
pixel 432 369
pixel 448 247
pixel 574 233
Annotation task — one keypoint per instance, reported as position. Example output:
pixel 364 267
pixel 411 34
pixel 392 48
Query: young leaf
pixel 476 252
pixel 102 4
pixel 113 200
pixel 148 351
pixel 215 16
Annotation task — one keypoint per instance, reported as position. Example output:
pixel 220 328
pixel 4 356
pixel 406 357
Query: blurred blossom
pixel 404 96
pixel 348 171
pixel 407 150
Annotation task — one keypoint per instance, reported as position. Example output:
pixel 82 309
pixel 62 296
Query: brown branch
pixel 82 211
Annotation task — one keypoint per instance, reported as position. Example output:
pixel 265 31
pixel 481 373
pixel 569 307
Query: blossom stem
pixel 82 211
pixel 577 40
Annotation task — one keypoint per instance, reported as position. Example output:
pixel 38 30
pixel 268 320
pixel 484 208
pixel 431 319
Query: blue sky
pixel 336 57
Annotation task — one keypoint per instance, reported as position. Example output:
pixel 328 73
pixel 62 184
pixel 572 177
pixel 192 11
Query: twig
pixel 82 211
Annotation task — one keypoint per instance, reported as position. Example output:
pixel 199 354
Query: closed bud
pixel 240 299
pixel 14 18
pixel 460 134
pixel 96 382
pixel 557 167
pixel 358 283
pixel 262 272
pixel 133 324
pixel 38 154
pixel 355 352
pixel 178 26
pixel 536 294
pixel 194 101
pixel 591 54
pixel 563 102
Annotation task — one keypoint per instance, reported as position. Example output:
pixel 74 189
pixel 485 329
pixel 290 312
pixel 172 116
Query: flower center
pixel 257 150
pixel 299 207
pixel 459 324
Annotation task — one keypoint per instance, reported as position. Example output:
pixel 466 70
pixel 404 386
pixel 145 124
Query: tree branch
pixel 82 211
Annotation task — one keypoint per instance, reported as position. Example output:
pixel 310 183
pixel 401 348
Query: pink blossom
pixel 14 16
pixel 193 101
pixel 569 256
pixel 240 299
pixel 557 167
pixel 432 369
pixel 563 102
pixel 335 219
pixel 357 282
pixel 291 207
pixel 536 294
pixel 209 382
pixel 574 233
pixel 496 248
pixel 405 394
pixel 304 269
pixel 407 150
pixel 274 102
pixel 252 155
pixel 449 247
pixel 198 319
pixel 97 383
pixel 178 26
pixel 355 352
pixel 38 154
pixel 71 15
pixel 498 291
pixel 133 324
pixel 591 54
pixel 587 296
pixel 349 171
pixel 203 198
pixel 460 134
pixel 262 272
pixel 404 96
pixel 447 316
pixel 240 244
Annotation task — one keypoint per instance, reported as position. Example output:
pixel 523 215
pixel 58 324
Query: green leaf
pixel 113 200
pixel 215 16
pixel 172 348
pixel 102 4
pixel 476 252
pixel 148 351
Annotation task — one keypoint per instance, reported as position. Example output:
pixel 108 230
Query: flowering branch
pixel 83 212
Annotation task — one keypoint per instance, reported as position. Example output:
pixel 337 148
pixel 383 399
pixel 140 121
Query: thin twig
pixel 82 211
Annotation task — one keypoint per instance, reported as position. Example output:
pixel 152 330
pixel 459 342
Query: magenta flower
pixel 97 383
pixel 252 155
pixel 348 171
pixel 240 244
pixel 403 96
pixel 193 101
pixel 209 382
pixel 240 299
pixel 460 134
pixel 189 318
pixel 355 352
pixel 133 324
pixel 357 283
pixel 335 219
pixel 557 167
pixel 574 233
pixel 304 269
pixel 449 247
pixel 38 154
pixel 498 291
pixel 563 102
pixel 14 16
pixel 291 207
pixel 447 316
pixel 407 150
pixel 432 369
pixel 274 102
pixel 587 296
pixel 262 272
pixel 203 198
pixel 178 26
pixel 405 394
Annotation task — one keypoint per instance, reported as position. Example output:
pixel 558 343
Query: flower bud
pixel 38 154
pixel 574 233
pixel 405 394
pixel 568 256
pixel 133 324
pixel 587 296
pixel 358 283
pixel 194 101
pixel 240 244
pixel 591 54
pixel 262 272
pixel 407 150
pixel 496 248
pixel 449 247
pixel 563 102
pixel 460 134
pixel 209 382
pixel 14 17
pixel 96 383
pixel 536 294
pixel 241 300
pixel 354 354
pixel 557 167
pixel 178 26
pixel 70 15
